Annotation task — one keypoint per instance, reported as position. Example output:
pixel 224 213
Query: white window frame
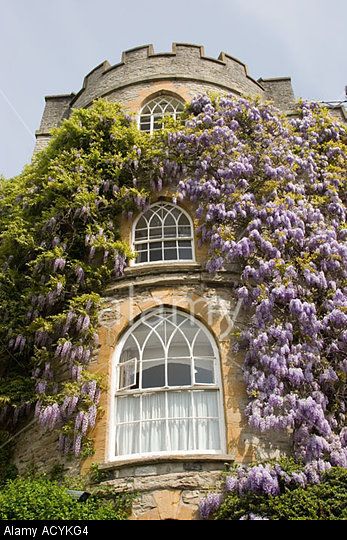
pixel 163 239
pixel 217 387
pixel 163 101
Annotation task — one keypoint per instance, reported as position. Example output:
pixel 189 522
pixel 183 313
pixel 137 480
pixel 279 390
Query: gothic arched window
pixel 163 233
pixel 153 112
pixel 167 388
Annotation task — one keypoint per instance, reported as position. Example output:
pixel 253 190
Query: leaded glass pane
pixel 161 222
pixel 152 113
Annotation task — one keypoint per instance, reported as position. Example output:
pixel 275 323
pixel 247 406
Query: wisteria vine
pixel 59 248
pixel 271 197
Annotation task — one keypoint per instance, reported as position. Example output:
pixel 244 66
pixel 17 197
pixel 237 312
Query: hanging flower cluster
pixel 272 199
pixel 269 480
pixel 59 247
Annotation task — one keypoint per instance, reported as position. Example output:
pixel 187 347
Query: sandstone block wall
pixel 167 487
pixel 185 71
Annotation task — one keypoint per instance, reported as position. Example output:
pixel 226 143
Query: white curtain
pixel 167 421
pixel 153 429
pixel 207 421
pixel 127 425
pixel 181 422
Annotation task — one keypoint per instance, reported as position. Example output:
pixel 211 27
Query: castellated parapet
pixel 185 71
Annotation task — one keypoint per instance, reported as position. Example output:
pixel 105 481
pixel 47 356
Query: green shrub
pixel 324 501
pixel 40 498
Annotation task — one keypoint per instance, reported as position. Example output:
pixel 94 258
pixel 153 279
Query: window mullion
pixel 193 419
pixel 167 427
pixel 140 424
pixel 192 369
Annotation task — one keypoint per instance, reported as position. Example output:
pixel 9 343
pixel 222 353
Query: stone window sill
pixel 148 460
pixel 166 265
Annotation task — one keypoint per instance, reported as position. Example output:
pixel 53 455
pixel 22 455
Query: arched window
pixel 163 233
pixel 167 388
pixel 152 114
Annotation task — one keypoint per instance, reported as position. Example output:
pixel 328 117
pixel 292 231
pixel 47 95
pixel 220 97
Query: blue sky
pixel 48 46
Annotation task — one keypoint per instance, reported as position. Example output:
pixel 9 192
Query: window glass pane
pixel 184 243
pixel 206 403
pixel 153 436
pixel 155 251
pixel 154 320
pixel 127 439
pixel 142 254
pixel 168 328
pixel 170 232
pixel 153 430
pixel 130 350
pixel 183 220
pixel 181 433
pixel 176 318
pixel 207 434
pixel 184 231
pixel 170 254
pixel 145 126
pixel 179 404
pixel 128 409
pixel 204 371
pixel 128 374
pixel 179 372
pixel 181 423
pixel 202 346
pixel 141 234
pixel 169 221
pixel 178 346
pixel 142 257
pixel 127 427
pixel 170 244
pixel 190 330
pixel 154 406
pixel 141 334
pixel 142 223
pixel 176 212
pixel 155 232
pixel 155 221
pixel 153 374
pixel 185 249
pixel 153 348
pixel 185 254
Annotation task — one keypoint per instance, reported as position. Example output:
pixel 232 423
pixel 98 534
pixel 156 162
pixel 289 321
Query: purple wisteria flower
pixel 210 504
pixel 289 240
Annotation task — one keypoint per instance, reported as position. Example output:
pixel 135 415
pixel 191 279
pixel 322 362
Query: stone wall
pixel 280 92
pixel 168 490
pixel 185 71
pixel 37 449
pixel 212 301
pixel 168 487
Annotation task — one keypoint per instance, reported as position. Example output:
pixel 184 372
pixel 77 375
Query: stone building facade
pixel 169 483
